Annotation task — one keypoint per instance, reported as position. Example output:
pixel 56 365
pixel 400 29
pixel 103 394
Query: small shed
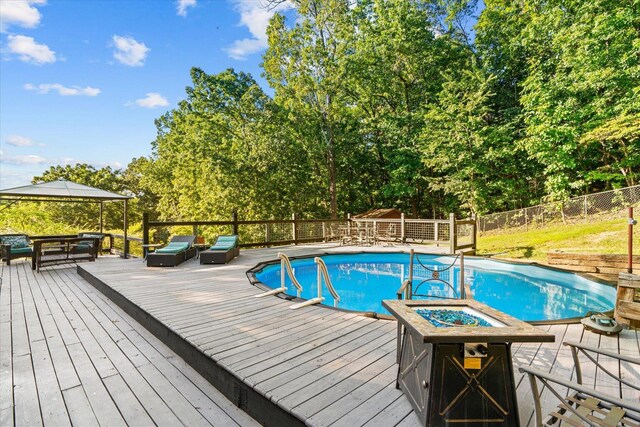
pixel 389 213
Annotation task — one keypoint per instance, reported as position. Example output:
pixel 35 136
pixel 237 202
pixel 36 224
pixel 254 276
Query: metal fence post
pixel 474 235
pixel 452 233
pixel 585 208
pixel 324 232
pixel 403 233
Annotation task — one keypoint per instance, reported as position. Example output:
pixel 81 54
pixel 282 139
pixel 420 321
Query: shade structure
pixel 67 191
pixel 60 189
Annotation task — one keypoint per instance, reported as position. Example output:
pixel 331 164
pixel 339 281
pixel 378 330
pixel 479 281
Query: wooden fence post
pixel 403 234
pixel 267 233
pixel 234 220
pixel 294 228
pixel 452 233
pixel 145 233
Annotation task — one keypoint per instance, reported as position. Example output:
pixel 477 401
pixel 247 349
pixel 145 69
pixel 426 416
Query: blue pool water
pixel 526 292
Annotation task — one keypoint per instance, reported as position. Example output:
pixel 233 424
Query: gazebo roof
pixel 61 190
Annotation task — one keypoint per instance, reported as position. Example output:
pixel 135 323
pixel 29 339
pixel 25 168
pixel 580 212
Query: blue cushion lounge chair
pixel 223 250
pixel 14 246
pixel 179 249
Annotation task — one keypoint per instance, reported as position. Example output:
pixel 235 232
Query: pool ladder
pixel 323 273
pixel 285 265
pixel 406 290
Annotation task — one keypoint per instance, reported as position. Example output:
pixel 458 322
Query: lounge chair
pixel 223 250
pixel 179 249
pixel 14 246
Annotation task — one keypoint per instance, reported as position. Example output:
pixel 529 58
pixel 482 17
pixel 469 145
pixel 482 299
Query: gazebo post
pixel 125 228
pixel 101 216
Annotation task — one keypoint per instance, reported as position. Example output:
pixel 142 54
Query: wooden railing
pixel 261 233
pixel 255 233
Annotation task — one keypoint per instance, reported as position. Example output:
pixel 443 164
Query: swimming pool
pixel 526 292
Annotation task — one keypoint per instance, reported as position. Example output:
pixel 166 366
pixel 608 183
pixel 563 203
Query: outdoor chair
pixel 584 405
pixel 223 250
pixel 179 249
pixel 14 246
pixel 90 235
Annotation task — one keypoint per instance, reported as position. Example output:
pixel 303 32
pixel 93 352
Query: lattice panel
pixel 419 231
pixel 278 232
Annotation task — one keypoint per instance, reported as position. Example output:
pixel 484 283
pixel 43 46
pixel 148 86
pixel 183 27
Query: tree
pixel 305 66
pixel 583 71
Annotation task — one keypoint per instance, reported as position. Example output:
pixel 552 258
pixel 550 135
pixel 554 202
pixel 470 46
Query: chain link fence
pixel 584 208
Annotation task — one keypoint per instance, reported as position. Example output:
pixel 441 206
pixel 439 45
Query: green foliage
pixel 392 103
pixel 605 237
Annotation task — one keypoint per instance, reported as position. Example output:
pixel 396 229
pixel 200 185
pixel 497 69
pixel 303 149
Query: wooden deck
pixel 69 356
pixel 314 366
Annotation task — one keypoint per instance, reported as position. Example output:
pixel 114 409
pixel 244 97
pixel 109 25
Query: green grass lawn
pixel 607 237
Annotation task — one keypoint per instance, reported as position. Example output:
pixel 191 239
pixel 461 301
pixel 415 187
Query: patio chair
pixel 102 236
pixel 584 405
pixel 14 246
pixel 179 249
pixel 223 250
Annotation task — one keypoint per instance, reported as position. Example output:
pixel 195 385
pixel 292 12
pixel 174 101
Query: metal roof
pixel 61 189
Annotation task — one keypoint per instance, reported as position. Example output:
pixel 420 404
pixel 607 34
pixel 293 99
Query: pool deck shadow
pixel 313 366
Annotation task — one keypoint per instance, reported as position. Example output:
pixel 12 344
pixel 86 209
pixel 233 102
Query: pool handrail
pixel 285 265
pixel 322 273
pixel 406 289
pixel 322 269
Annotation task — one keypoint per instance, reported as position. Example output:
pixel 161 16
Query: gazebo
pixel 66 191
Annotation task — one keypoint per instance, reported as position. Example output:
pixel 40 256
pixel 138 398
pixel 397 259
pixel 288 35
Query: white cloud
pixel 63 90
pixel 129 51
pixel 28 50
pixel 30 159
pixel 183 5
pixel 255 16
pixel 19 141
pixel 19 12
pixel 152 100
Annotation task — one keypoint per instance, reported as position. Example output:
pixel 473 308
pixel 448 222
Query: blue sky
pixel 81 81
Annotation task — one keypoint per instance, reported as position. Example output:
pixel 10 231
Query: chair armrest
pixel 548 380
pixel 596 350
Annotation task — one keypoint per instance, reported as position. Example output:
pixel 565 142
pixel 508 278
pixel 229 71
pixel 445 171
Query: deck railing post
pixel 452 233
pixel 294 228
pixel 403 234
pixel 267 233
pixel 234 220
pixel 145 232
pixel 125 226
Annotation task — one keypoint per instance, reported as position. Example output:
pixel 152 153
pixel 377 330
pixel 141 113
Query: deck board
pixel 326 367
pixel 69 356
